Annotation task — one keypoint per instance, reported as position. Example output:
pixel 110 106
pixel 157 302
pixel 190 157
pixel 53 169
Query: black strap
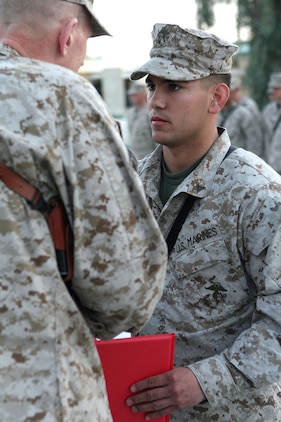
pixel 181 217
pixel 276 125
pixel 175 229
pixel 229 151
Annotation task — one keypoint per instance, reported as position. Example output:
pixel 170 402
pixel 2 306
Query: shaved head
pixel 51 30
pixel 13 11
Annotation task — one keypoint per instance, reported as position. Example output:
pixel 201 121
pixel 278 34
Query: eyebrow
pixel 168 81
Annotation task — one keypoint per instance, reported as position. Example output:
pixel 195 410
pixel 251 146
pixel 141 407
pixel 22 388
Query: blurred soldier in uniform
pixel 272 118
pixel 141 141
pixel 57 133
pixel 222 295
pixel 242 119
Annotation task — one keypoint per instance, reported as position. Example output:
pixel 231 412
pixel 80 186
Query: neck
pixel 15 45
pixel 184 156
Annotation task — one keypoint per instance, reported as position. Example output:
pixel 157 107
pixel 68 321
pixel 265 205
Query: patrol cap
pixel 135 88
pixel 98 29
pixel 186 54
pixel 275 80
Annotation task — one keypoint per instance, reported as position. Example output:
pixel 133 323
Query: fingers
pixel 145 400
pixel 166 393
pixel 153 409
pixel 149 383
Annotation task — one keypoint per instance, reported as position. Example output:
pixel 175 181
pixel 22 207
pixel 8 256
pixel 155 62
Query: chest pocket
pixel 201 257
pixel 208 280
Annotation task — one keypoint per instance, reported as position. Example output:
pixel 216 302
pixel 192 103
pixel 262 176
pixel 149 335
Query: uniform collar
pixel 199 182
pixel 8 51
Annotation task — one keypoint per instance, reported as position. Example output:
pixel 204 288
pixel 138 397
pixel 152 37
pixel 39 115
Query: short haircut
pixel 215 79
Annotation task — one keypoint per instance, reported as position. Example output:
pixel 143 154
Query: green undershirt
pixel 170 181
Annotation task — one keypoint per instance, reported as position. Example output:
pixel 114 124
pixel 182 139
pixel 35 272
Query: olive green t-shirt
pixel 170 181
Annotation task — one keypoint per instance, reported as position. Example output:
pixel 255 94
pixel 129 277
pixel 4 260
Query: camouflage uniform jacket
pixel 272 118
pixel 140 135
pixel 222 295
pixel 57 133
pixel 244 127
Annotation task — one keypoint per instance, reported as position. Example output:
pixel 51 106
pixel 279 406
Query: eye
pixel 174 87
pixel 150 86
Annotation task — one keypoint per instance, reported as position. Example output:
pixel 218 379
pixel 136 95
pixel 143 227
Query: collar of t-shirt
pixel 170 181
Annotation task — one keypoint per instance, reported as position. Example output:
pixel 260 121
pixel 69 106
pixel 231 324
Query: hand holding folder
pixel 128 360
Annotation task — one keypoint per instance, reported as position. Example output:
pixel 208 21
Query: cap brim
pixel 97 28
pixel 163 68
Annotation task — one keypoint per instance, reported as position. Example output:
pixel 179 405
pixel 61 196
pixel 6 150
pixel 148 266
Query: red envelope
pixel 127 360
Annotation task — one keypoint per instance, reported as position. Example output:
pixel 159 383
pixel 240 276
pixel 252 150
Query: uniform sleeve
pixel 254 359
pixel 120 254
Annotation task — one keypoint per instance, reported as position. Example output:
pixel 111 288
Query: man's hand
pixel 166 393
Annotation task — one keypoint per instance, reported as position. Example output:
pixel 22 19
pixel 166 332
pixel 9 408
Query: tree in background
pixel 263 18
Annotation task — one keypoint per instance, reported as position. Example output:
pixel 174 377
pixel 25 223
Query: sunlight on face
pixel 178 110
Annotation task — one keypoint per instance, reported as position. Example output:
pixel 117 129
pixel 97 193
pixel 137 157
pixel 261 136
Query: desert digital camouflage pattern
pixel 181 54
pixel 228 330
pixel 274 80
pixel 272 118
pixel 57 133
pixel 141 141
pixel 245 128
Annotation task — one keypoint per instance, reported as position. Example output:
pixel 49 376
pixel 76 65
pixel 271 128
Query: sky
pixel 130 23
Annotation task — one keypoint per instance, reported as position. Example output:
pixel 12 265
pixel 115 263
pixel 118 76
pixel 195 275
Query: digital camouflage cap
pixel 136 87
pixel 98 29
pixel 235 82
pixel 186 54
pixel 275 80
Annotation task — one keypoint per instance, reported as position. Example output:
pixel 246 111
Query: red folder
pixel 127 360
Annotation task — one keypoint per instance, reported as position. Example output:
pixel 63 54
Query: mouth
pixel 155 120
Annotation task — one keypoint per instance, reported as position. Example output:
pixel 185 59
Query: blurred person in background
pixel 243 120
pixel 57 133
pixel 272 118
pixel 141 142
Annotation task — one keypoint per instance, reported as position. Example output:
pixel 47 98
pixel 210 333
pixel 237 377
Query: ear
pixel 65 35
pixel 219 98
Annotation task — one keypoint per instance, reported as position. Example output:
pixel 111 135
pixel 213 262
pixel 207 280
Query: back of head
pixel 25 11
pixel 186 54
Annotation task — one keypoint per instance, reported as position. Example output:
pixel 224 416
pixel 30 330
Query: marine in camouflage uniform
pixel 243 121
pixel 57 133
pixel 272 118
pixel 222 295
pixel 141 141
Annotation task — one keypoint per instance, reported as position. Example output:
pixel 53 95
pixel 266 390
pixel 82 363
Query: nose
pixel 156 99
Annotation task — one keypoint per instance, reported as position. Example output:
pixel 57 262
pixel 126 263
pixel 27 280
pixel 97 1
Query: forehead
pixel 157 79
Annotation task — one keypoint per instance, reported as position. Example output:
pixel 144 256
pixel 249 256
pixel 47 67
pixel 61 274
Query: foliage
pixel 205 12
pixel 263 18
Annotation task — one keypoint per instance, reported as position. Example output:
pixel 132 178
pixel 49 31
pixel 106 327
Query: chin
pixel 158 138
